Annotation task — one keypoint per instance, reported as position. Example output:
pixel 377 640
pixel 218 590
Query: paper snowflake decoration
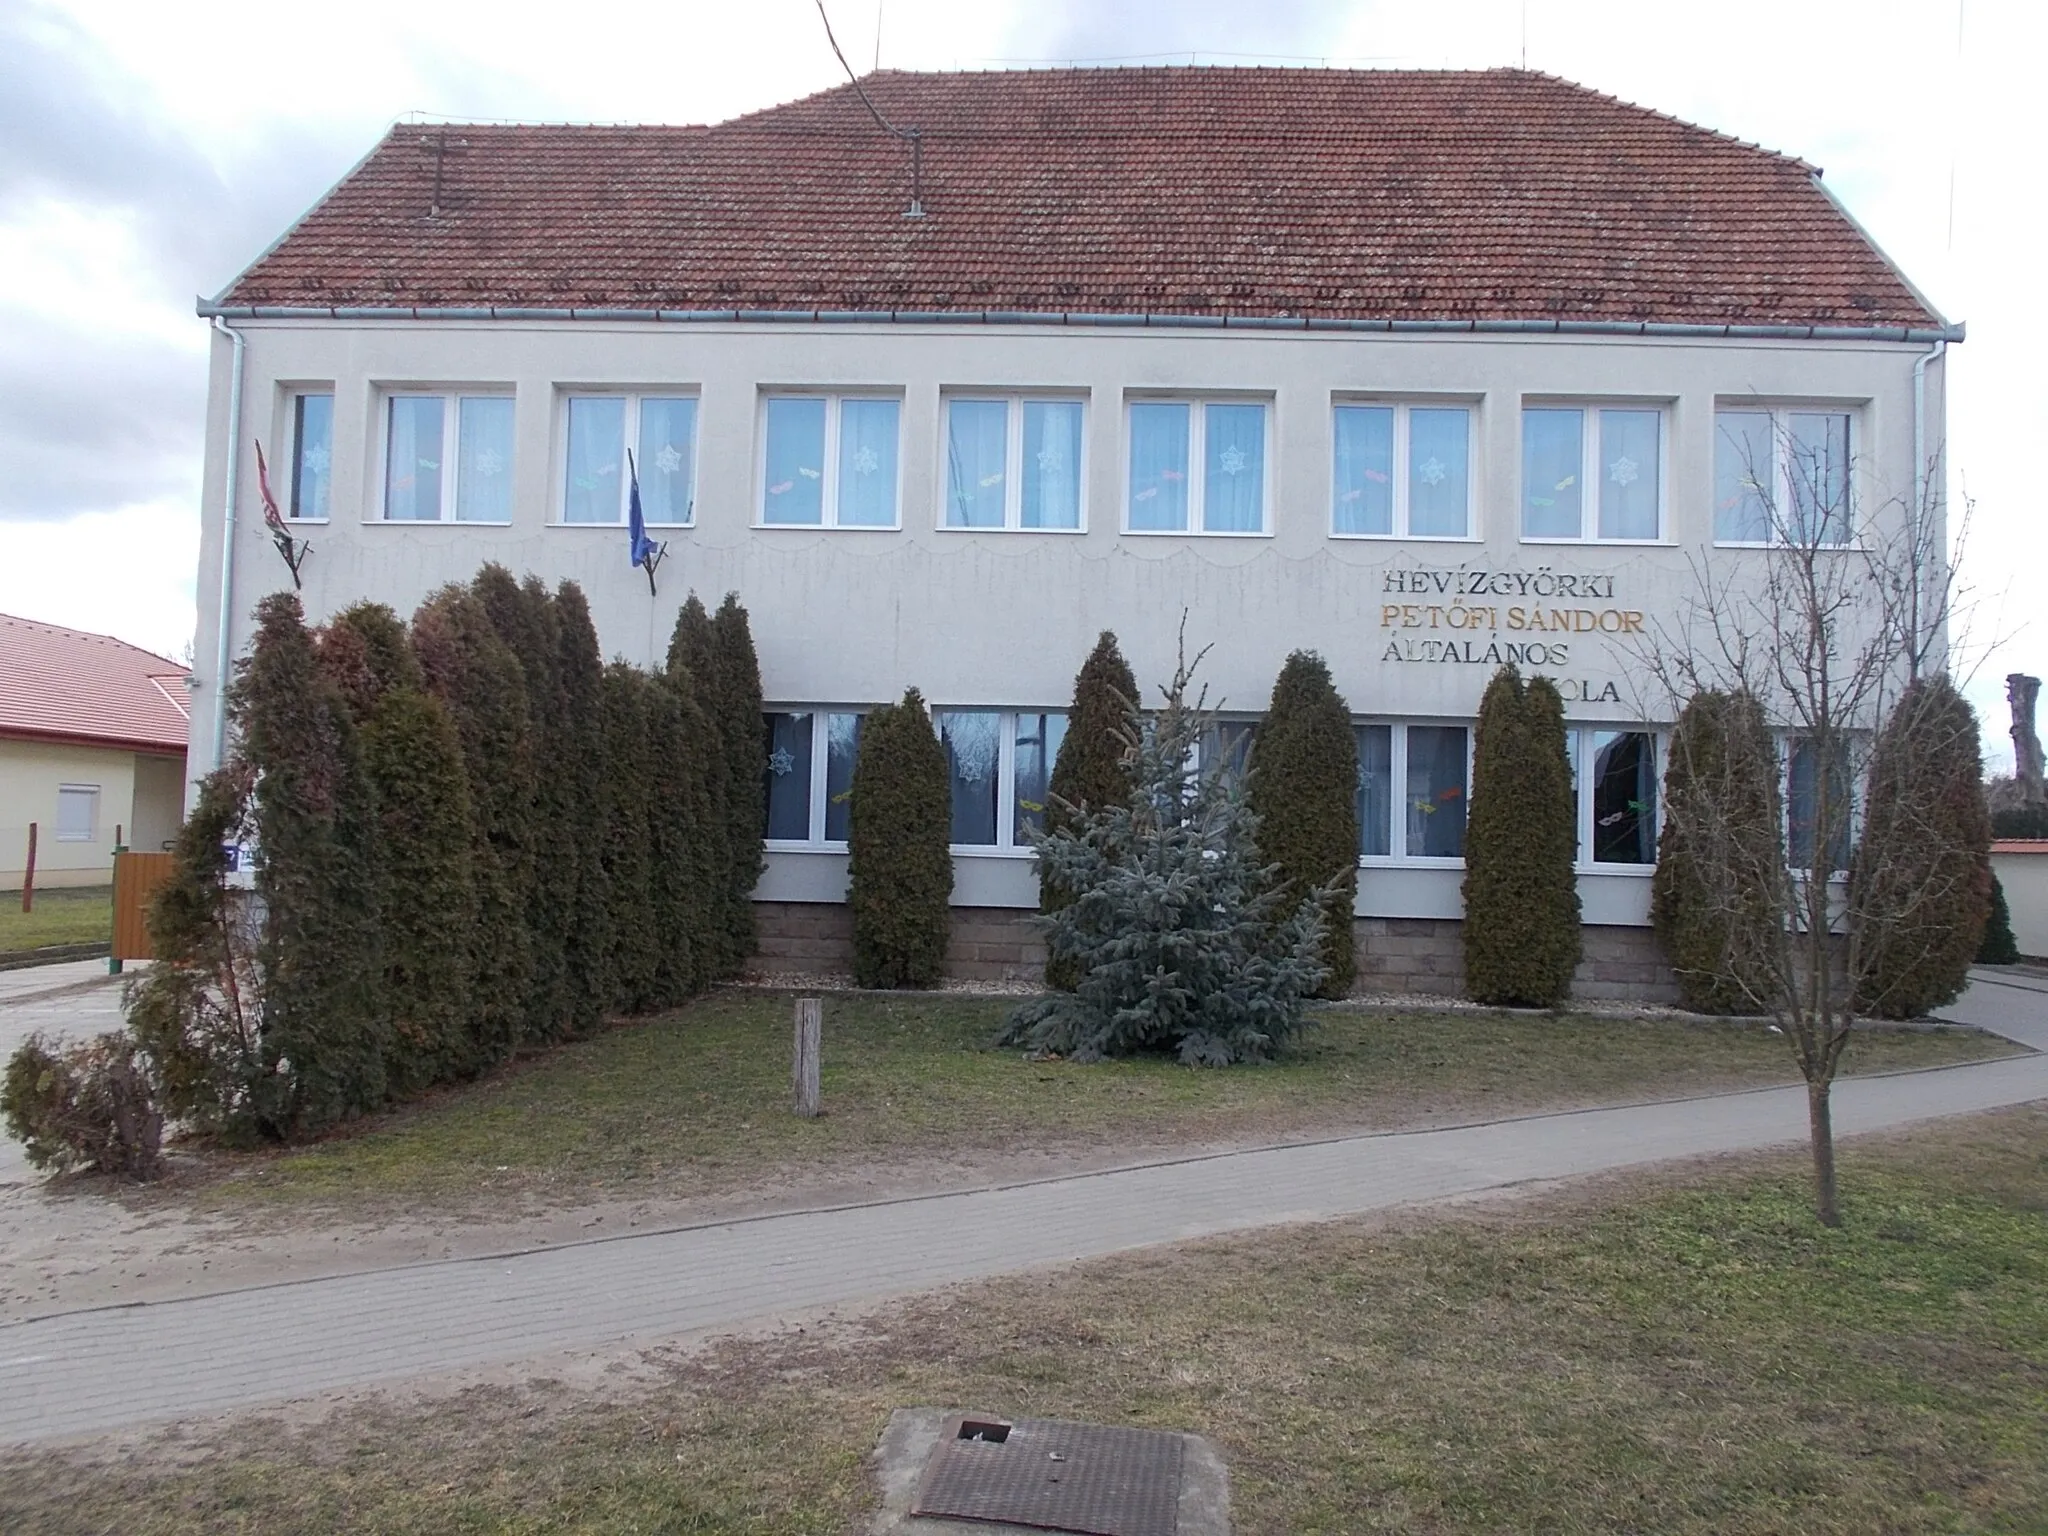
pixel 1433 471
pixel 490 462
pixel 1232 461
pixel 315 461
pixel 1051 460
pixel 780 763
pixel 668 461
pixel 865 461
pixel 1623 471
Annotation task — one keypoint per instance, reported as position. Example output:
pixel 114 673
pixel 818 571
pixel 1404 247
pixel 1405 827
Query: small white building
pixel 1423 371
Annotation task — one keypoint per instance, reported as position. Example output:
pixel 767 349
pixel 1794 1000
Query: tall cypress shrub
pixel 1999 946
pixel 577 773
pixel 631 720
pixel 1920 879
pixel 428 890
pixel 325 1035
pixel 1304 789
pixel 1712 911
pixel 901 872
pixel 1521 930
pixel 737 708
pixel 475 675
pixel 1093 768
pixel 693 666
pixel 683 879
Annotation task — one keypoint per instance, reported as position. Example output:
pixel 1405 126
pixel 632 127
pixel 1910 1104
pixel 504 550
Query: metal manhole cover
pixel 1054 1476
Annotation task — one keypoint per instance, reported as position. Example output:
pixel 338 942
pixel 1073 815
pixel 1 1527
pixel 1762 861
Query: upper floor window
pixel 999 764
pixel 1411 791
pixel 1197 466
pixel 1402 471
pixel 1013 463
pixel 807 781
pixel 830 461
pixel 613 437
pixel 1592 472
pixel 448 456
pixel 1782 477
pixel 1616 775
pixel 312 454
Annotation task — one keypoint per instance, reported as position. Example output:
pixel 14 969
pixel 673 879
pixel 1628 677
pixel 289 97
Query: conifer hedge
pixel 1092 769
pixel 1304 788
pixel 631 712
pixel 1521 931
pixel 577 777
pixel 901 872
pixel 700 828
pixel 428 893
pixel 1920 879
pixel 1999 946
pixel 735 705
pixel 1710 909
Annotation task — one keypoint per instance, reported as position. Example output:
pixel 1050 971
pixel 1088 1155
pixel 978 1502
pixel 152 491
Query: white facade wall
pixel 1003 619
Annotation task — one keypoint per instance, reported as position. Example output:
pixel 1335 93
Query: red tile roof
pixel 1364 195
pixel 67 685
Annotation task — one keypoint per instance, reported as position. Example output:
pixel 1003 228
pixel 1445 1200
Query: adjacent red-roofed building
pixel 945 374
pixel 92 751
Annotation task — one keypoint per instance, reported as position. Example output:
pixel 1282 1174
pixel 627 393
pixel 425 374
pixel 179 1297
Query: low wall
pixel 1395 954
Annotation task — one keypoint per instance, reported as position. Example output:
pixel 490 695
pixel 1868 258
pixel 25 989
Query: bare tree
pixel 1815 636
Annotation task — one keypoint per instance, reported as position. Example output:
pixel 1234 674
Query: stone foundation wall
pixel 1395 954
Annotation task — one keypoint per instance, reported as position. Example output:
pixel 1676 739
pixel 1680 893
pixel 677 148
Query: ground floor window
pixel 78 813
pixel 1616 774
pixel 808 780
pixel 999 768
pixel 1805 792
pixel 1412 791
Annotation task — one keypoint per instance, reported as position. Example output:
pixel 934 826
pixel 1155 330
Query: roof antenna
pixel 909 135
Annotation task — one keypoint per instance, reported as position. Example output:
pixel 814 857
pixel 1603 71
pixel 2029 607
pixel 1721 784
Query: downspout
pixel 1923 484
pixel 227 547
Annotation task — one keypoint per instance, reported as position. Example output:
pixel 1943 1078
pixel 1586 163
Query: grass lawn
pixel 1684 1352
pixel 696 1102
pixel 80 915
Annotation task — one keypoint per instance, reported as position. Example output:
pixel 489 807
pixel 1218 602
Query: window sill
pixel 1626 871
pixel 1056 532
pixel 1198 533
pixel 827 527
pixel 307 522
pixel 1418 861
pixel 1819 549
pixel 988 851
pixel 783 845
pixel 438 522
pixel 1605 543
pixel 1409 538
pixel 617 527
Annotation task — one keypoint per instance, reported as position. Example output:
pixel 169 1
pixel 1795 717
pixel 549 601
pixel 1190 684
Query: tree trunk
pixel 1820 1120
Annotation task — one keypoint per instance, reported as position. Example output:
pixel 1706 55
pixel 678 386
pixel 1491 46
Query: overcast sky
pixel 149 151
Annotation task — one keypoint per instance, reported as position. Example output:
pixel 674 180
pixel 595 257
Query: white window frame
pixel 629 442
pixel 451 441
pixel 1397 856
pixel 820 791
pixel 1780 415
pixel 1399 471
pixel 1198 458
pixel 1589 470
pixel 291 459
pixel 92 823
pixel 1582 793
pixel 1006 845
pixel 1013 458
pixel 829 493
pixel 1786 742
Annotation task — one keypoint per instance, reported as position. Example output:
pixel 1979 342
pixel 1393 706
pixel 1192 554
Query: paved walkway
pixel 74 1000
pixel 96 1370
pixel 2007 1001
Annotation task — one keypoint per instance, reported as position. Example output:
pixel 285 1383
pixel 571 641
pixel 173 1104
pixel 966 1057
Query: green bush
pixel 471 670
pixel 1999 946
pixel 1521 931
pixel 631 717
pixel 736 709
pixel 1920 879
pixel 1093 767
pixel 1180 940
pixel 427 899
pixel 1720 856
pixel 1304 787
pixel 693 653
pixel 901 873
pixel 697 829
pixel 325 1032
pixel 576 773
pixel 87 1105
pixel 2020 821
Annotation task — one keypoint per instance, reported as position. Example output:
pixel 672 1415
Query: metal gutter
pixel 225 609
pixel 1923 335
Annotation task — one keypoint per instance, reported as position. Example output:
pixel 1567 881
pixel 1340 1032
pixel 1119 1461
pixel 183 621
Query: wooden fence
pixel 136 877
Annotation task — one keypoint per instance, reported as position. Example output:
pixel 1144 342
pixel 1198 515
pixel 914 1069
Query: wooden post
pixel 28 878
pixel 803 1075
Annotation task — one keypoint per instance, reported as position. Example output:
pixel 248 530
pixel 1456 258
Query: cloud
pixel 1160 30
